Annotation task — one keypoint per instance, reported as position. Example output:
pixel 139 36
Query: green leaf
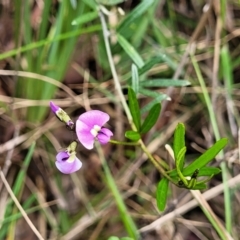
pixel 180 158
pixel 149 65
pixel 151 118
pixel 179 141
pixel 164 83
pixel 134 108
pixel 135 13
pixel 135 79
pixel 132 135
pixel 206 157
pixel 204 171
pixel 87 17
pixel 153 94
pixel 130 50
pixel 200 186
pixel 91 3
pixel 110 2
pixel 208 171
pixel 158 99
pixel 162 191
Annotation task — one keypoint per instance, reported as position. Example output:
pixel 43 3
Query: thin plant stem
pixel 124 143
pixel 37 233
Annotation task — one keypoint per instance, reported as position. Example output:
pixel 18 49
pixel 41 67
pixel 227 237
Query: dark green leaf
pixel 200 186
pixel 179 141
pixel 206 157
pixel 135 79
pixel 132 135
pixel 162 191
pixel 135 13
pixel 87 17
pixel 151 118
pixel 134 108
pixel 164 83
pixel 130 50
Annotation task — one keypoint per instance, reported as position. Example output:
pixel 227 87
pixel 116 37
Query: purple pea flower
pixel 67 163
pixel 62 115
pixel 89 127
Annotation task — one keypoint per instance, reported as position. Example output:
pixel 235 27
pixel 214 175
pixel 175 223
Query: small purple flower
pixel 54 108
pixel 62 115
pixel 89 127
pixel 67 163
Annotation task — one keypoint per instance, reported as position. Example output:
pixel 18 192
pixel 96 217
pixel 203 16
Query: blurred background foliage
pixel 55 50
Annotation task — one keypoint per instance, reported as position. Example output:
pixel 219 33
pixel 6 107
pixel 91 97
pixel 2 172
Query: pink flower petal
pixel 67 167
pixel 84 135
pixel 94 117
pixel 104 135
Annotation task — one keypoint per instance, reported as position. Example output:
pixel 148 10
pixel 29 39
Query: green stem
pixel 155 162
pixel 124 143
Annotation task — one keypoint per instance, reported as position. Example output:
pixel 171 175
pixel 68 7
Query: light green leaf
pixel 135 79
pixel 134 108
pixel 164 83
pixel 162 191
pixel 179 160
pixel 151 118
pixel 179 141
pixel 153 94
pixel 85 18
pixel 206 157
pixel 147 66
pixel 132 135
pixel 130 50
pixel 158 99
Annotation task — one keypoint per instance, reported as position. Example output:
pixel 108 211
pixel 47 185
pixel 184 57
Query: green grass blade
pixel 164 83
pixel 135 13
pixel 87 17
pixel 17 188
pixel 126 218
